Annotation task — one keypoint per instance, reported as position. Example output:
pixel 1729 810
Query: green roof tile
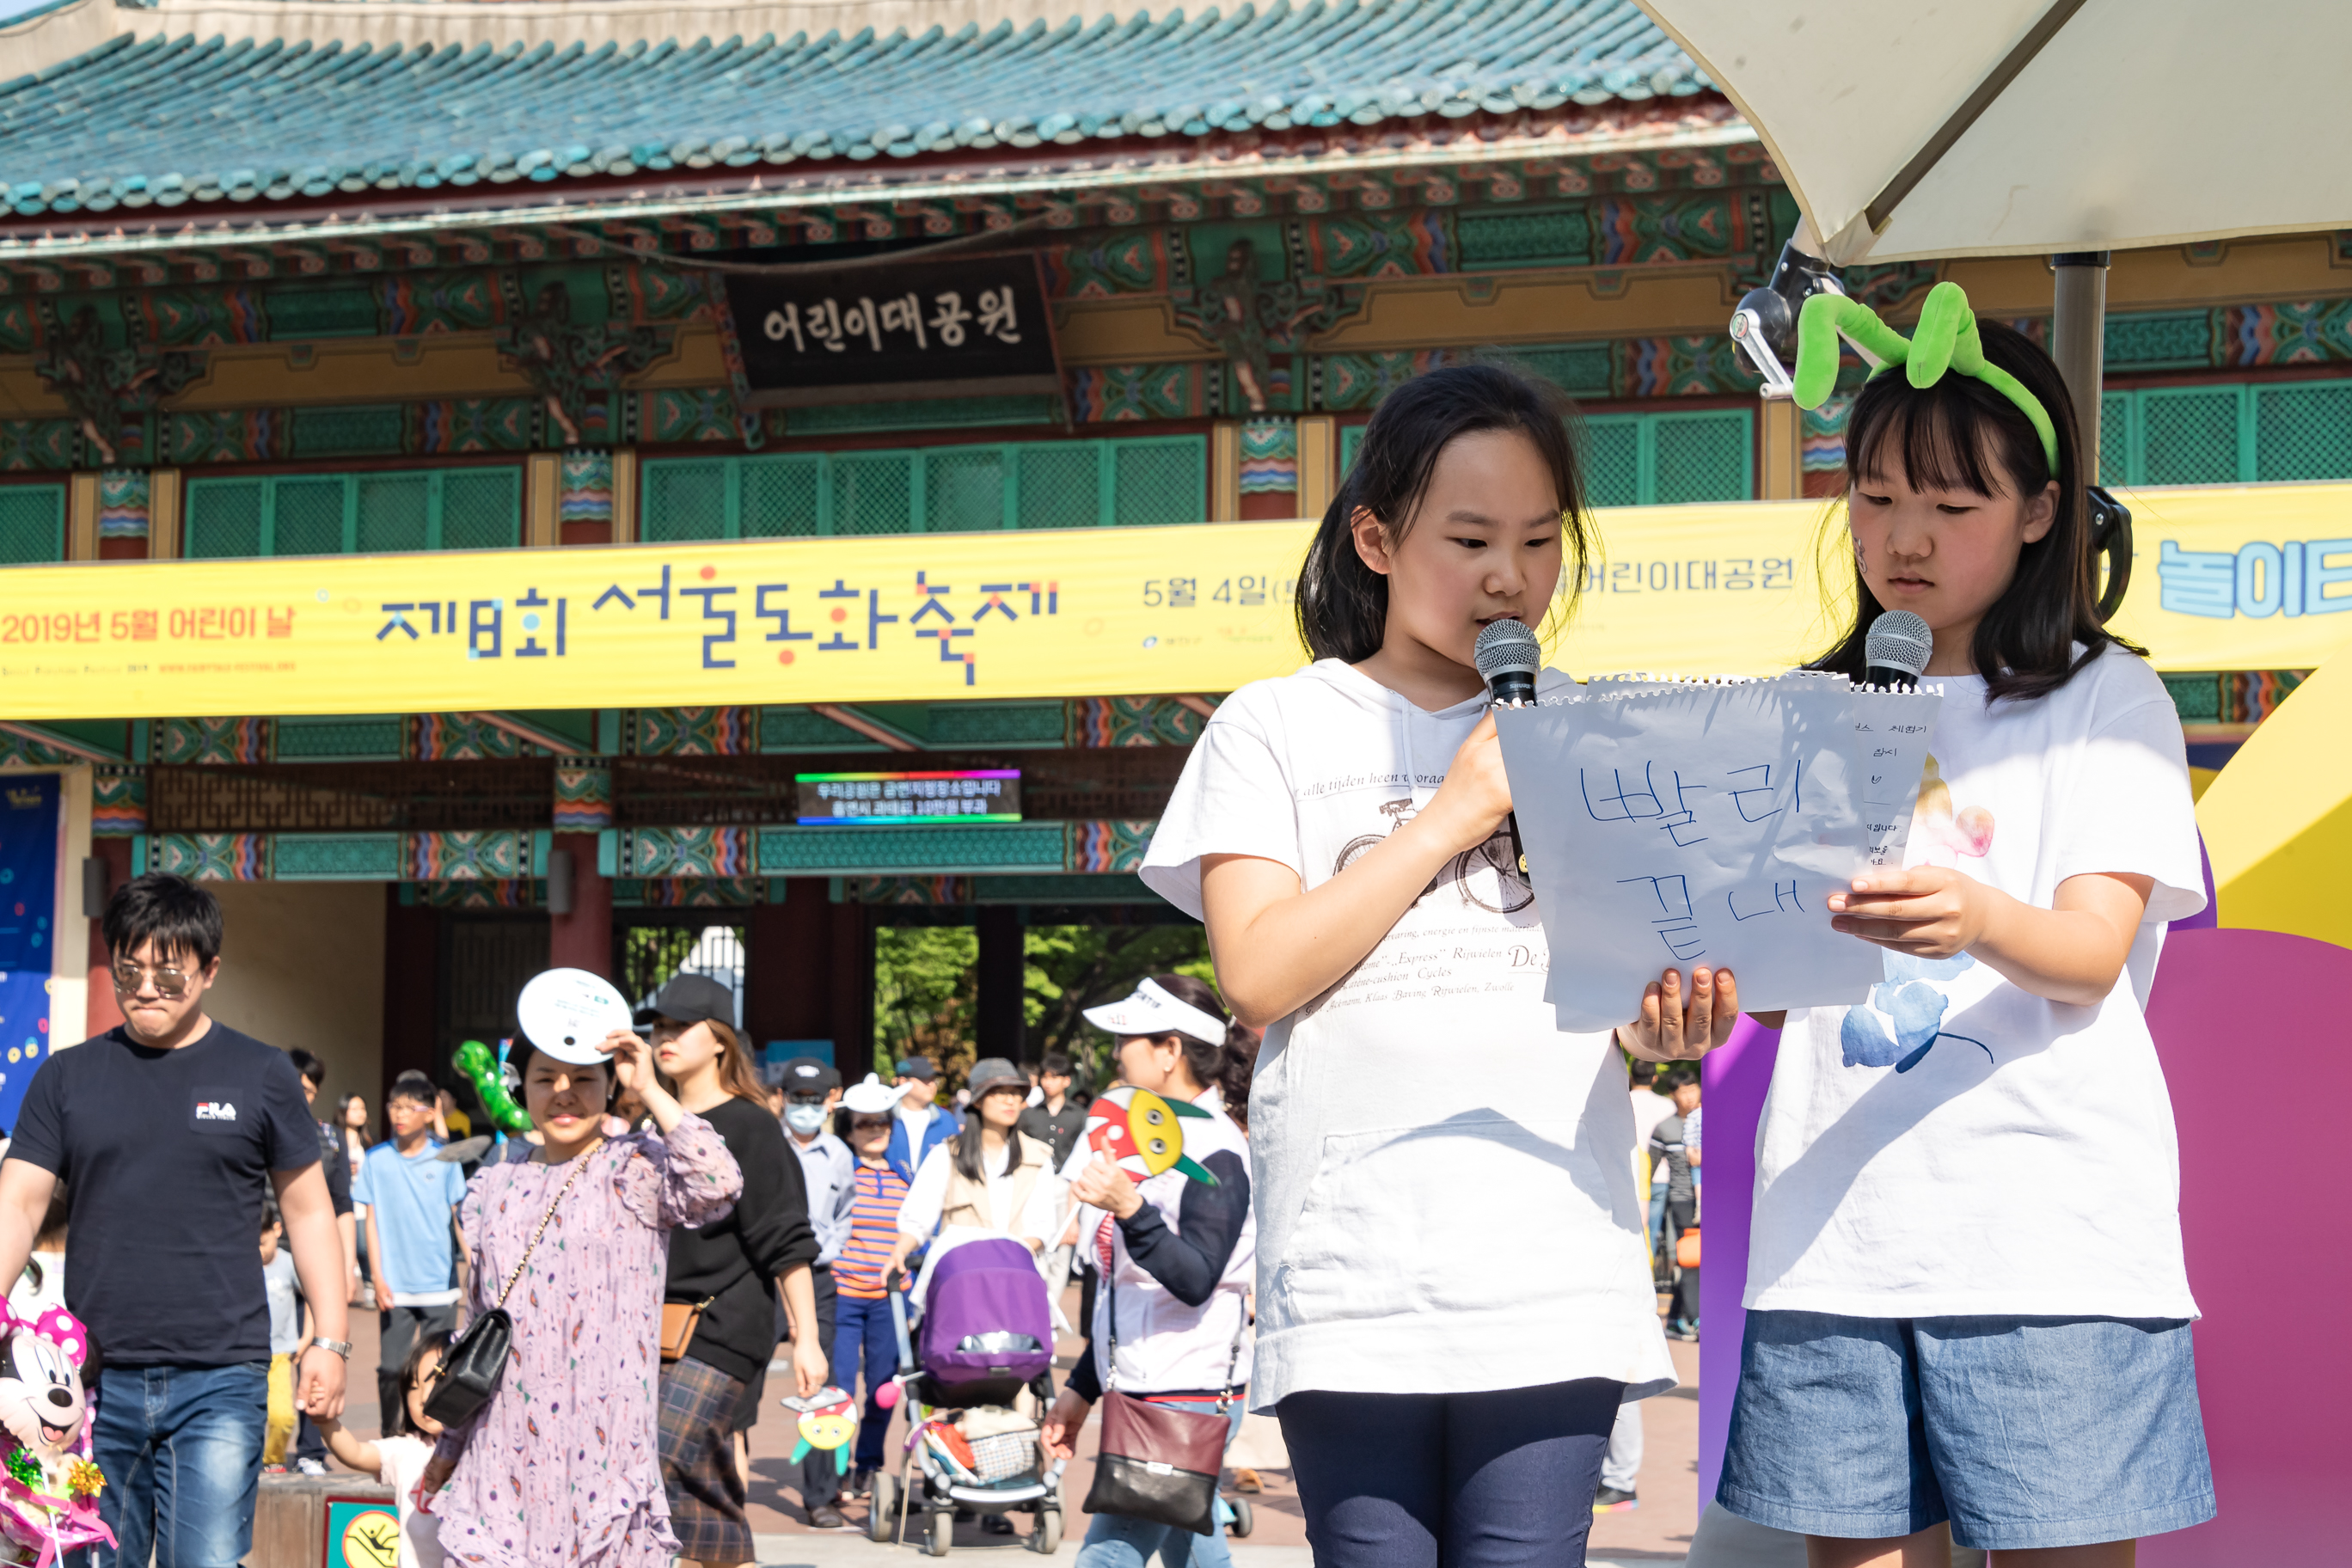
pixel 165 121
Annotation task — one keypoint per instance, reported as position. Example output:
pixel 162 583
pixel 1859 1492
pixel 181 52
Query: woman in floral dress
pixel 562 1467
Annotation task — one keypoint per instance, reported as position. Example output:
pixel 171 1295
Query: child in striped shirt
pixel 862 1320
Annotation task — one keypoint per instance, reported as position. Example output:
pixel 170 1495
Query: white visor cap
pixel 1152 1011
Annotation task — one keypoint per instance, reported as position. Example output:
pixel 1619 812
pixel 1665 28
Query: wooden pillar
pixel 412 989
pixel 1225 471
pixel 103 1012
pixel 543 479
pixel 164 496
pixel 625 495
pixel 1004 961
pixel 853 992
pixel 81 517
pixel 810 964
pixel 1319 463
pixel 1780 460
pixel 584 938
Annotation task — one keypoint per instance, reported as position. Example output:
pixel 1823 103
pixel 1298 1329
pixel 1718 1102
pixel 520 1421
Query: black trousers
pixel 1496 1479
pixel 1681 1214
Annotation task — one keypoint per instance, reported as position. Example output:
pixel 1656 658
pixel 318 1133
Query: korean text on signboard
pixel 879 800
pixel 977 321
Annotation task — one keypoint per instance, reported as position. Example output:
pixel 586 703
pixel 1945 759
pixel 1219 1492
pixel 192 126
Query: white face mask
pixel 805 1118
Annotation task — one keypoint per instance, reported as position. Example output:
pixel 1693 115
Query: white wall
pixel 302 964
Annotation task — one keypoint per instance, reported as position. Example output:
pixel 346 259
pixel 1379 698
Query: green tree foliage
pixel 927 989
pixel 925 998
pixel 1072 968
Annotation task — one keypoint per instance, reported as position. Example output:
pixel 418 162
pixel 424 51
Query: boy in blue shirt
pixel 408 1200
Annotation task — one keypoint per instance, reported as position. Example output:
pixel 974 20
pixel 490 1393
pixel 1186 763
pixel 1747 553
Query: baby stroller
pixel 983 1336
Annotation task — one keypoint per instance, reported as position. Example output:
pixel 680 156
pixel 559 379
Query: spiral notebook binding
pixel 1630 684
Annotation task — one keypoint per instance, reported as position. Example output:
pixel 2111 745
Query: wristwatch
pixel 341 1347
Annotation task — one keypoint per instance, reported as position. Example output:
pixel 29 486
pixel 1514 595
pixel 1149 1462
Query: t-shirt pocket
pixel 1465 1215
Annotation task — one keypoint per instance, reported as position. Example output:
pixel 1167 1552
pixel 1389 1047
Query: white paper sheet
pixel 1708 823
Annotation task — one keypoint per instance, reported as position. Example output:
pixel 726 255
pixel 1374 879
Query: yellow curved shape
pixel 1158 1138
pixel 2278 820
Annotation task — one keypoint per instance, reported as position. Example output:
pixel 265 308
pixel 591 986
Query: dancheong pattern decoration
pixel 1108 846
pixel 486 856
pixel 583 797
pixel 685 852
pixel 694 731
pixel 118 802
pixel 1132 722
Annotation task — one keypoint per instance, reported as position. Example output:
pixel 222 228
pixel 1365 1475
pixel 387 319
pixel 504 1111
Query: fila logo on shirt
pixel 215 1110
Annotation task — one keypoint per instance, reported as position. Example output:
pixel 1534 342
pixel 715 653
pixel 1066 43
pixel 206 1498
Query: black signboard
pixel 925 329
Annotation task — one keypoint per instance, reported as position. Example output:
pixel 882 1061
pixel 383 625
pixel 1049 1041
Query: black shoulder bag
pixel 468 1373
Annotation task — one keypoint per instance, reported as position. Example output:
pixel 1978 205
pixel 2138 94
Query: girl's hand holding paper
pixel 1673 1030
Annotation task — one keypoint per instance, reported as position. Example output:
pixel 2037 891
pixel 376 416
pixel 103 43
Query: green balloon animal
pixel 487 1075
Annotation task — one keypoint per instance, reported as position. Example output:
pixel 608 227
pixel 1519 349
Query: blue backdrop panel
pixel 28 897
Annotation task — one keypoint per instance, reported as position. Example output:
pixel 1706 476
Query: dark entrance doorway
pixel 485 961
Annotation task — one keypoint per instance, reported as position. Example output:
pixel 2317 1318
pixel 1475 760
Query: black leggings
pixel 1466 1481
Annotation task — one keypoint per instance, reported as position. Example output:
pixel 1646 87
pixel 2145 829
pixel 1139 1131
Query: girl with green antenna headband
pixel 1968 1310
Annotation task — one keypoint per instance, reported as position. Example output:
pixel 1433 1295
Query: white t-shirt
pixel 2026 1163
pixel 1442 1180
pixel 405 1459
pixel 284 1288
pixel 926 1198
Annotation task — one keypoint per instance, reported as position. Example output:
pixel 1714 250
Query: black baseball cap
pixel 806 1075
pixel 691 999
pixel 918 1066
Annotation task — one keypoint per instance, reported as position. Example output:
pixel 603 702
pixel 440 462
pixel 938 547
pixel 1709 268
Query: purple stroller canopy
pixel 985 1315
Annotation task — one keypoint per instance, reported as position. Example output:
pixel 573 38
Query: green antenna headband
pixel 1945 339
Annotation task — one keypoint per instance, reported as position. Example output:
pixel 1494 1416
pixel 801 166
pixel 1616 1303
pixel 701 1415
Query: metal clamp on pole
pixel 1764 327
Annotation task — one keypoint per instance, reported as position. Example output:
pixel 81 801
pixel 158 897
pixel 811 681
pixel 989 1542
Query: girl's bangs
pixel 1938 435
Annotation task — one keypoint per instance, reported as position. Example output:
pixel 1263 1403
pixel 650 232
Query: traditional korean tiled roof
pixel 165 121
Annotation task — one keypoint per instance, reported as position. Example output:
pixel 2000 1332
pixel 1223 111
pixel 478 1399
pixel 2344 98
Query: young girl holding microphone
pixel 1452 1292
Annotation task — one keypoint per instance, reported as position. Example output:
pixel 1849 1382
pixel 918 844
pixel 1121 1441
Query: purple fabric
pixel 984 1288
pixel 1733 1078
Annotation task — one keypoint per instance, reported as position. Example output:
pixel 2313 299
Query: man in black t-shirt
pixel 168 1131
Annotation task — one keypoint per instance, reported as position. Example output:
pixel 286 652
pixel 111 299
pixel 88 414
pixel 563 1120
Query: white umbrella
pixel 1911 131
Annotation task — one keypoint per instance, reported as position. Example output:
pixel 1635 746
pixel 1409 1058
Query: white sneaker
pixel 309 1466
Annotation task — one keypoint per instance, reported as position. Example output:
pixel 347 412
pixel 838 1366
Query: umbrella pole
pixel 2078 328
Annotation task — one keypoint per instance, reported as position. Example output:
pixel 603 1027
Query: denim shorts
pixel 2023 1432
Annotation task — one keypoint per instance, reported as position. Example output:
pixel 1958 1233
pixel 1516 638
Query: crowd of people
pixel 1967 1316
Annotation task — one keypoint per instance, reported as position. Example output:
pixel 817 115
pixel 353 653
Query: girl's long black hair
pixel 1343 604
pixel 1961 435
pixel 966 1157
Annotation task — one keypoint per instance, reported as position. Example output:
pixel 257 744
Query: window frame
pixel 351 480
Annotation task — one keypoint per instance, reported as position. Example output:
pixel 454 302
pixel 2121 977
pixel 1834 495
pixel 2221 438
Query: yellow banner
pixel 2250 577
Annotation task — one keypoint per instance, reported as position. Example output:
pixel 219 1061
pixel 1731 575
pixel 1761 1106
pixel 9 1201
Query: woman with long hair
pixel 725 1277
pixel 990 1177
pixel 560 1468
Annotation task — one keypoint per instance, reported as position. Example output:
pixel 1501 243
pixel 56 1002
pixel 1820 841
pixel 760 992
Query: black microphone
pixel 1509 656
pixel 1898 649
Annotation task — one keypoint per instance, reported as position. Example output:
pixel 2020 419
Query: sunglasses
pixel 870 1124
pixel 171 981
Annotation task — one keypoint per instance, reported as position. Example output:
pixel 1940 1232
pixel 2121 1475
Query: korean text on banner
pixel 2246 577
pixel 1682 825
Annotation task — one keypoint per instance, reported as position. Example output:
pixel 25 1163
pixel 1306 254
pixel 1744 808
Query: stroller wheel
pixel 1245 1520
pixel 938 1532
pixel 882 1509
pixel 1047 1539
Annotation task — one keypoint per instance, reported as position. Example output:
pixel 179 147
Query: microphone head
pixel 1899 641
pixel 1507 647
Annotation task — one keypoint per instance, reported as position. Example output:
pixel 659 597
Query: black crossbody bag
pixel 468 1373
